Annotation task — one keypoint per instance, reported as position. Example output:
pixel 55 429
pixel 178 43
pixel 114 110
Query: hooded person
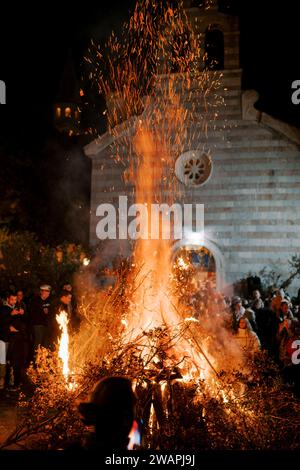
pixel 246 338
pixel 111 410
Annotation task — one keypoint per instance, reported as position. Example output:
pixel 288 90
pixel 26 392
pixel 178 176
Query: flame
pixel 63 352
pixel 134 436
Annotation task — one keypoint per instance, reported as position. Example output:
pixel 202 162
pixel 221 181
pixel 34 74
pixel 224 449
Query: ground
pixel 8 414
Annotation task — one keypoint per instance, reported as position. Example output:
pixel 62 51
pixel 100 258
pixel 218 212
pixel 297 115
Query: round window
pixel 193 168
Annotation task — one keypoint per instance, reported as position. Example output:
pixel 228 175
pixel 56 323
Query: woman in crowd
pixel 247 339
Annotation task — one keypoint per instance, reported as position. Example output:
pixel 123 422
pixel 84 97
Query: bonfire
pixel 195 387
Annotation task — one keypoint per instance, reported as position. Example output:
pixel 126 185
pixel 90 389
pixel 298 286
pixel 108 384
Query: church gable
pixel 243 165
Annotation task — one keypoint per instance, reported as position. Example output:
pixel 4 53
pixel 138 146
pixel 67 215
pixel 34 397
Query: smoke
pixel 65 179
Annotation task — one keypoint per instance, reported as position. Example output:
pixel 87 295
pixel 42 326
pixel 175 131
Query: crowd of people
pixel 270 323
pixel 27 324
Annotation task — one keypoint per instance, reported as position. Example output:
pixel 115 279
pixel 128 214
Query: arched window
pixel 214 49
pixel 58 112
pixel 68 112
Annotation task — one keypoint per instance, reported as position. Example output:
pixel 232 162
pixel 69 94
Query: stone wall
pixel 252 200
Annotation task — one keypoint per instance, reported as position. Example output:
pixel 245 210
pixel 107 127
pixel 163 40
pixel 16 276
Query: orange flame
pixel 63 352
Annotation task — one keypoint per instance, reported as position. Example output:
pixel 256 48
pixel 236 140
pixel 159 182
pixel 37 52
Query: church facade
pixel 249 185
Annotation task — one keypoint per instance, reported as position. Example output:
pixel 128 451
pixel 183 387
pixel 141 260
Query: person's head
pixel 236 303
pixel 66 297
pixel 68 287
pixel 11 298
pixel 284 307
pixel 20 295
pixel 45 290
pixel 111 410
pixel 244 324
pixel 256 294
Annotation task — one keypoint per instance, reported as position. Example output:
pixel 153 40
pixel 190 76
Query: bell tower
pixel 218 32
pixel 67 108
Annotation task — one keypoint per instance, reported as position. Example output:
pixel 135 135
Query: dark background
pixel 47 175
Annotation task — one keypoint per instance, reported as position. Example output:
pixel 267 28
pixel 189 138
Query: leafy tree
pixel 25 262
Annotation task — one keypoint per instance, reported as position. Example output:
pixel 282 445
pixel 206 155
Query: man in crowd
pixel 4 338
pixel 16 335
pixel 40 317
pixel 18 341
pixel 276 302
pixel 257 302
pixel 237 311
pixel 72 306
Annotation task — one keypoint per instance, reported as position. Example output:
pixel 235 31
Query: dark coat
pixel 5 318
pixel 40 311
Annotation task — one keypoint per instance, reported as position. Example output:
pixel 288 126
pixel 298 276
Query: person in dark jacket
pixel 5 311
pixel 16 331
pixel 22 305
pixel 267 326
pixel 18 340
pixel 72 307
pixel 39 317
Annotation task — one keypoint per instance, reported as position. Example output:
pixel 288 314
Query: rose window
pixel 193 168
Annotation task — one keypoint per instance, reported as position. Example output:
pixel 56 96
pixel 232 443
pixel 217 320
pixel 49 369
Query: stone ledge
pixel 250 113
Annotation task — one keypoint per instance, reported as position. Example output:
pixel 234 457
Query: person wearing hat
pixel 39 315
pixel 111 410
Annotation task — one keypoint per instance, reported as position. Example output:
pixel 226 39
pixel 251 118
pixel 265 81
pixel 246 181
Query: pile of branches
pixel 241 411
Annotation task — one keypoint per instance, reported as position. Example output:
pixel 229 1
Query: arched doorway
pixel 197 265
pixel 204 247
pixel 198 275
pixel 194 280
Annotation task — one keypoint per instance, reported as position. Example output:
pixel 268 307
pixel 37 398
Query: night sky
pixel 35 40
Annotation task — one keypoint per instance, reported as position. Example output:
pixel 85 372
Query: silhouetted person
pixel 72 307
pixel 111 410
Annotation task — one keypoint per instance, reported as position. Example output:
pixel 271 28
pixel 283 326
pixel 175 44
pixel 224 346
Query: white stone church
pixel 250 185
